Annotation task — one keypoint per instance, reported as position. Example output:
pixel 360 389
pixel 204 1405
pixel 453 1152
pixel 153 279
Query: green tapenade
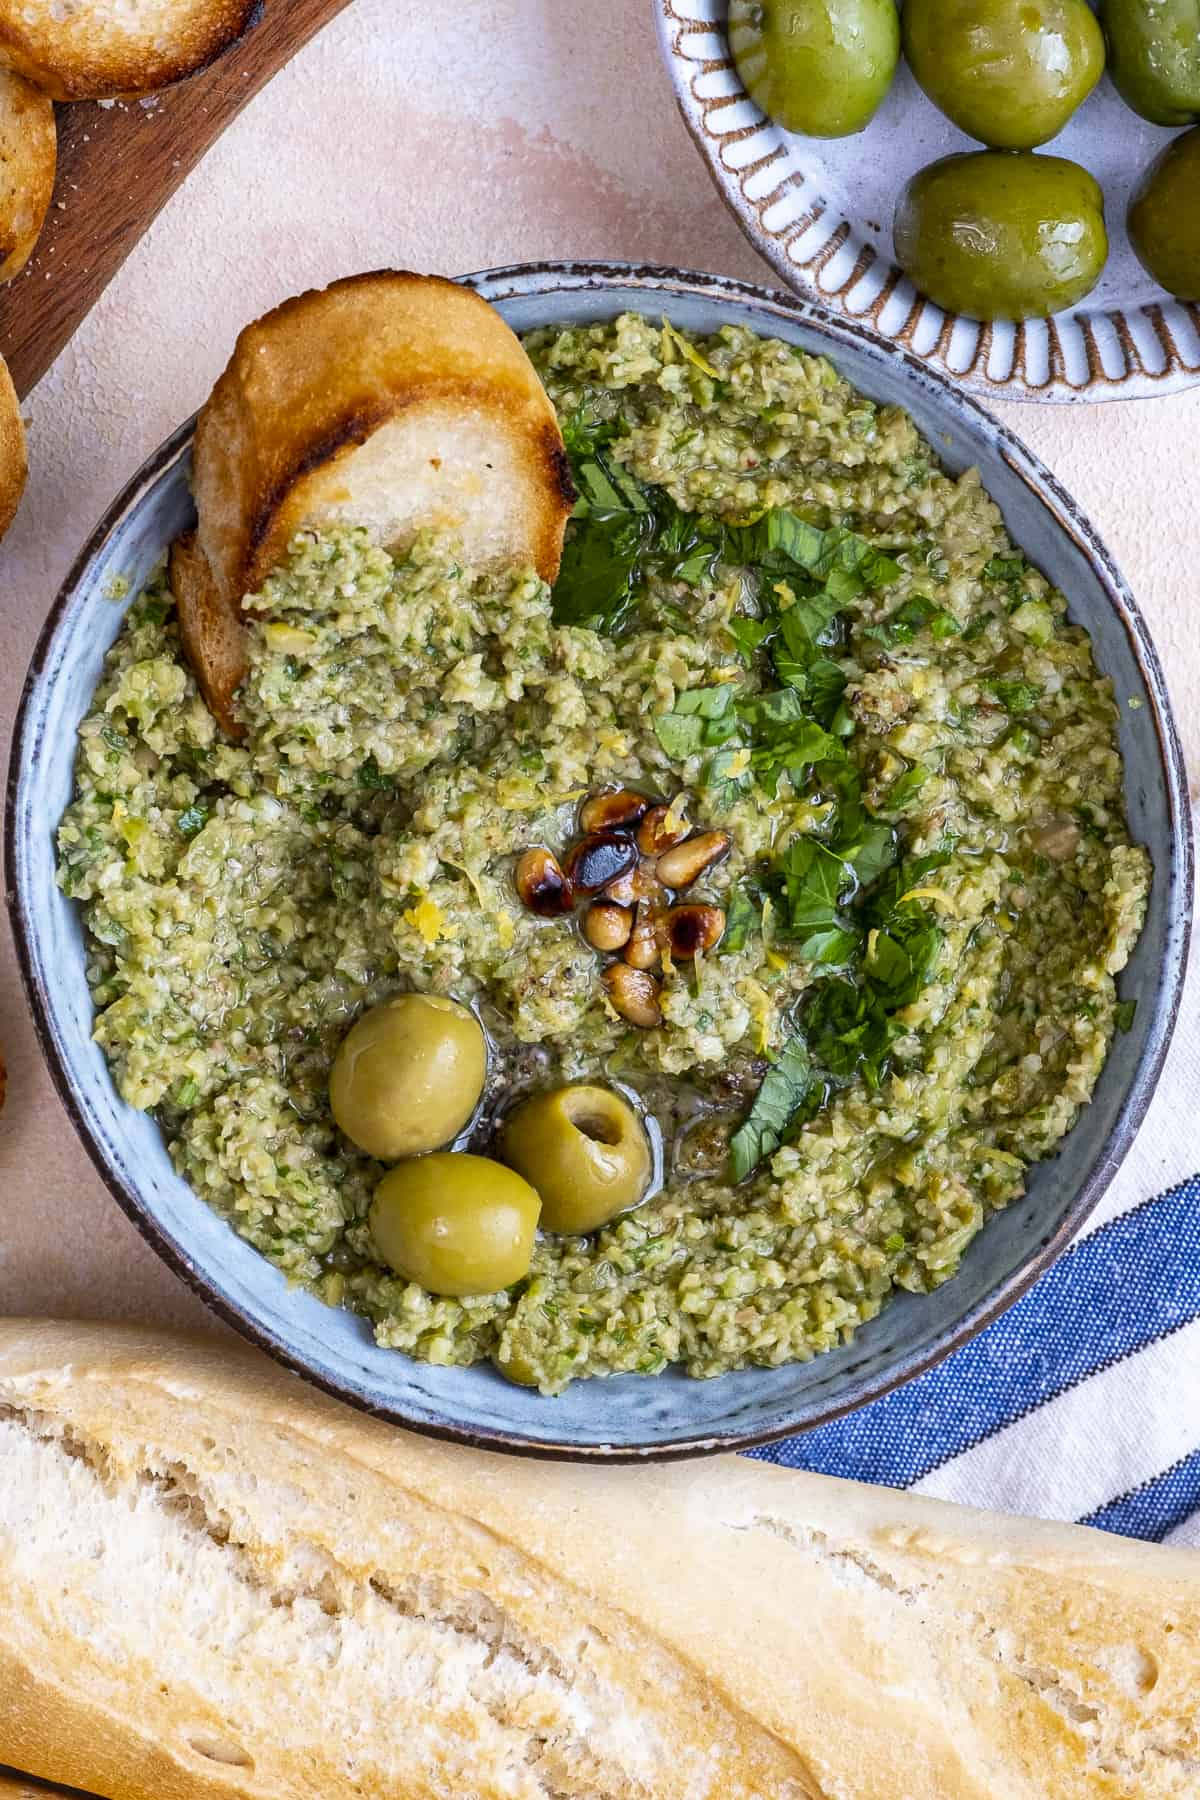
pixel 777 611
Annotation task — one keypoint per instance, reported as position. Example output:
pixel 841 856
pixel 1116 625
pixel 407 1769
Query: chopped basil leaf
pixel 742 916
pixel 701 718
pixel 906 787
pixel 784 1087
pixel 1123 1013
pixel 748 634
pixel 917 614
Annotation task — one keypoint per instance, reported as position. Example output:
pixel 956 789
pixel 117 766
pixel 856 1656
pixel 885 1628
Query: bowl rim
pixel 544 279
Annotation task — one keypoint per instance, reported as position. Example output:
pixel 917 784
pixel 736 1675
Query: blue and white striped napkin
pixel 1083 1400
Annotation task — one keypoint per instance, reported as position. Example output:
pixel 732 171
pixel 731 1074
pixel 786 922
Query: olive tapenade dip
pixel 840 970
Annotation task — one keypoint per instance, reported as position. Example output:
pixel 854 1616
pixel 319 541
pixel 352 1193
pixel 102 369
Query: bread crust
pixel 28 159
pixel 759 1632
pixel 210 631
pixel 94 52
pixel 390 400
pixel 14 464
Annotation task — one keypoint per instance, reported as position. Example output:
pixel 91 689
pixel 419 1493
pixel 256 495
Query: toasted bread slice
pixel 389 400
pixel 211 632
pixel 28 156
pixel 99 49
pixel 13 464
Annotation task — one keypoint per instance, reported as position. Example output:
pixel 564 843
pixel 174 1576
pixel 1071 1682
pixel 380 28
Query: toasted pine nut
pixel 613 811
pixel 599 859
pixel 541 883
pixel 634 994
pixel 661 827
pixel 678 868
pixel 641 883
pixel 607 926
pixel 692 929
pixel 645 946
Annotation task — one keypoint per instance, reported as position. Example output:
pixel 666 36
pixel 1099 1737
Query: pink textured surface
pixel 440 138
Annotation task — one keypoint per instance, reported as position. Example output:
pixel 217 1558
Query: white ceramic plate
pixel 820 211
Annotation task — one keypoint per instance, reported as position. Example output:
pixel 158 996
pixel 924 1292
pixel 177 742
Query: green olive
pixel 1164 217
pixel 816 66
pixel 995 235
pixel 520 1363
pixel 1154 57
pixel 585 1151
pixel 456 1224
pixel 1009 72
pixel 408 1075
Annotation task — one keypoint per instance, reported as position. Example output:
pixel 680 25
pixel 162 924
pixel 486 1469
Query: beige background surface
pixel 443 137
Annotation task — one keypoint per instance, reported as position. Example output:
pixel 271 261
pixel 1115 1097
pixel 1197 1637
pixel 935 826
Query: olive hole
pixel 600 1130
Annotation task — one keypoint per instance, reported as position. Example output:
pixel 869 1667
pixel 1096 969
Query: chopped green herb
pixel 906 787
pixel 1014 696
pixel 1123 1013
pixel 917 614
pixel 701 718
pixel 742 916
pixel 784 1087
pixel 369 775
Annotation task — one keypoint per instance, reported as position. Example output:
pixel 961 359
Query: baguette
pixel 215 1583
pixel 28 159
pixel 389 400
pixel 104 49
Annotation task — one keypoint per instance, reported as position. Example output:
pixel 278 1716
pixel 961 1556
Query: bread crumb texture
pixel 211 1581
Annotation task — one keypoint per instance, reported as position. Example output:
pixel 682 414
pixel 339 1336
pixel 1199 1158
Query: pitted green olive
pixel 1164 217
pixel 457 1224
pixel 408 1075
pixel 1154 57
pixel 1009 72
pixel 585 1151
pixel 997 235
pixel 816 66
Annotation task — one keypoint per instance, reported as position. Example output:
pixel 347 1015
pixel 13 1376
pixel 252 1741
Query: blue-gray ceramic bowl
pixel 669 1414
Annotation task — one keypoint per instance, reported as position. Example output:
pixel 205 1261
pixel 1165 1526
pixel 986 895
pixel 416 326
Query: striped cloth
pixel 1083 1400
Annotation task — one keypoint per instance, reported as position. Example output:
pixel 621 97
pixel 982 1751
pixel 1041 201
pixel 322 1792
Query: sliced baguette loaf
pixel 14 466
pixel 28 158
pixel 100 49
pixel 213 1582
pixel 389 400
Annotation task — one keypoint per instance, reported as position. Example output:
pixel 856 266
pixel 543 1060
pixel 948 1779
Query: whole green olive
pixel 457 1224
pixel 816 66
pixel 585 1151
pixel 1009 72
pixel 1164 217
pixel 1154 57
pixel 995 235
pixel 408 1075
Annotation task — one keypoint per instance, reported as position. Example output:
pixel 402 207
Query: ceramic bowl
pixel 820 211
pixel 667 1414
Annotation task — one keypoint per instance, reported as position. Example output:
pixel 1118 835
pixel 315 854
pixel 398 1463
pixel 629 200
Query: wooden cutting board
pixel 117 168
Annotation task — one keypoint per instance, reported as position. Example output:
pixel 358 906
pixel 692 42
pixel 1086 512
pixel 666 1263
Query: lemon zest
pixel 932 893
pixel 689 351
pixel 427 919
